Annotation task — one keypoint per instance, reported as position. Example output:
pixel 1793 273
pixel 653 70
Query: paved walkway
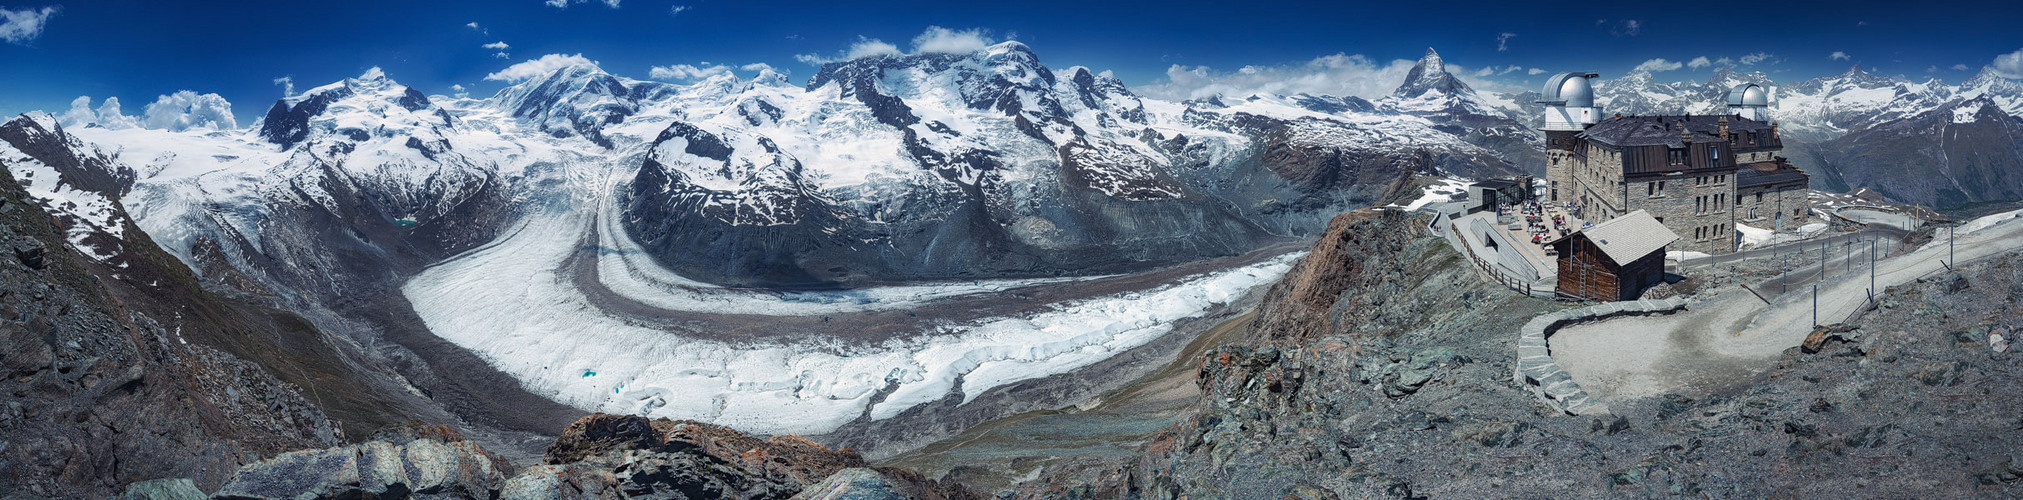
pixel 1735 335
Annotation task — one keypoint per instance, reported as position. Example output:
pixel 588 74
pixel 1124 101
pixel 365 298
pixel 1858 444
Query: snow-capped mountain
pixel 76 183
pixel 990 163
pixel 1490 121
pixel 1960 152
pixel 921 166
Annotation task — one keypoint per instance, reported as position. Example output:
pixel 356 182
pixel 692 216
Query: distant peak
pixel 373 74
pixel 1430 74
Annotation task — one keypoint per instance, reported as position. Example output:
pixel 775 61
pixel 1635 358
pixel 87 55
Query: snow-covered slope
pixel 76 183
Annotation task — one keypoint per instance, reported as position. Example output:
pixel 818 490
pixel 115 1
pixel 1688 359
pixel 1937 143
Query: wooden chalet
pixel 1614 260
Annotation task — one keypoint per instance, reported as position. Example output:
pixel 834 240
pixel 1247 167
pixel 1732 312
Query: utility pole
pixel 1815 305
pixel 1949 246
pixel 1871 270
pixel 1784 273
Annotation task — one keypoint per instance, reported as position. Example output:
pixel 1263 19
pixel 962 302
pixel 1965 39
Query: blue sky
pixel 54 51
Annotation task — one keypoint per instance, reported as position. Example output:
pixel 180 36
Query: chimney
pixel 1685 133
pixel 1724 127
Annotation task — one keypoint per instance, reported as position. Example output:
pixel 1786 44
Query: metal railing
pixel 1500 277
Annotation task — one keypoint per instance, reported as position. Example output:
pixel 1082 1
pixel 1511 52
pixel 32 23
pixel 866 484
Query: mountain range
pixel 929 166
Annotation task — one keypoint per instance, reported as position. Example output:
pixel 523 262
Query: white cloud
pixel 1932 69
pixel 186 110
pixel 760 67
pixel 2010 65
pixel 686 72
pixel 1338 74
pixel 941 40
pixel 501 55
pixel 1960 67
pixel 107 116
pixel 1656 65
pixel 1629 27
pixel 1508 70
pixel 480 29
pixel 110 117
pixel 497 46
pixel 287 84
pixel 1483 72
pixel 1758 57
pixel 677 10
pixel 1724 62
pixel 935 40
pixel 20 26
pixel 459 91
pixel 1503 41
pixel 870 47
pixel 80 113
pixel 1699 62
pixel 1534 71
pixel 1837 56
pixel 563 4
pixel 537 67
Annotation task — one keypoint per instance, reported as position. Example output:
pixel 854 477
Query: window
pixel 1759 197
pixel 1714 152
pixel 1675 156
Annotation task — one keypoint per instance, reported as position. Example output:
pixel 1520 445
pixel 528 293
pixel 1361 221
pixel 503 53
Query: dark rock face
pixel 1962 153
pixel 287 124
pixel 102 393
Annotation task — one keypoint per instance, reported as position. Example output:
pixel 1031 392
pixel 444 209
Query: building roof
pixel 1494 183
pixel 1664 129
pixel 1628 238
pixel 1764 173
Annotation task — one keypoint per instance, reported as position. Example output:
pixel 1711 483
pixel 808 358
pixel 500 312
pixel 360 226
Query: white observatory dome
pixel 1748 94
pixel 1572 89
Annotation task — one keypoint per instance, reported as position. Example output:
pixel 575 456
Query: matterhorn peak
pixel 1430 75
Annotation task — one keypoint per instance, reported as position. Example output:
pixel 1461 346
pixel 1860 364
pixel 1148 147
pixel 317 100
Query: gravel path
pixel 1731 337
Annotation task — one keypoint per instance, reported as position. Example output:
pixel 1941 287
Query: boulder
pixel 163 489
pixel 31 253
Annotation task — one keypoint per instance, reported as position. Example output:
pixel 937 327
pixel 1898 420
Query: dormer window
pixel 1675 157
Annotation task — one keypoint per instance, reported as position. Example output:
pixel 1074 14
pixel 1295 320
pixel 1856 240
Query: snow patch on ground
pixel 1446 190
pixel 1678 255
pixel 1754 237
pixel 1986 221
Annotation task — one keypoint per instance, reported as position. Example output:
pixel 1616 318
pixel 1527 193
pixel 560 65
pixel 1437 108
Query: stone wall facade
pixel 1763 206
pixel 1694 206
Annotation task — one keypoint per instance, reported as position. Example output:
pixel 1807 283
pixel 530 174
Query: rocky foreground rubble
pixel 1381 367
pixel 600 456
